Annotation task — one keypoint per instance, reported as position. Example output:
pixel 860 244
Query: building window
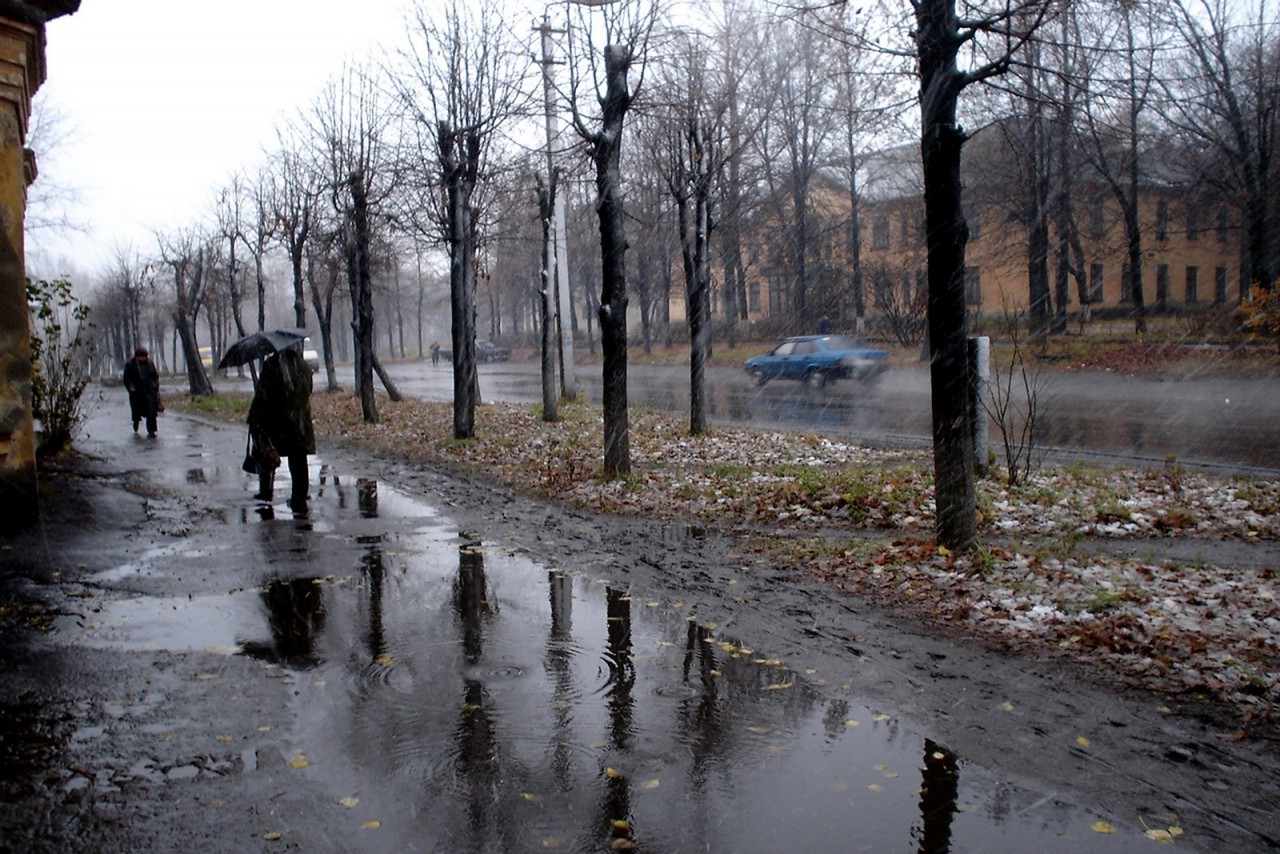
pixel 1193 222
pixel 1162 286
pixel 882 289
pixel 1220 285
pixel 973 286
pixel 1162 220
pixel 1125 284
pixel 973 219
pixel 1222 224
pixel 753 295
pixel 1193 284
pixel 880 233
pixel 1095 283
pixel 1098 219
pixel 907 237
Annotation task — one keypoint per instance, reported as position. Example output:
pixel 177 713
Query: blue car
pixel 817 360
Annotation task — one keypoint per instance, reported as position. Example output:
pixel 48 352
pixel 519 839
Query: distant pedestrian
pixel 824 327
pixel 143 383
pixel 280 424
pixel 435 353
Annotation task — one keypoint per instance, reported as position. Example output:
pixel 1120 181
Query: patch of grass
pixel 1110 510
pixel 225 407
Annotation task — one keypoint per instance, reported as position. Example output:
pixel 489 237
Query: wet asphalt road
pixel 390 672
pixel 1228 425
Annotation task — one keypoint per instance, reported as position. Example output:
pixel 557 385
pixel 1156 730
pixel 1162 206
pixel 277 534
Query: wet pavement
pixel 393 670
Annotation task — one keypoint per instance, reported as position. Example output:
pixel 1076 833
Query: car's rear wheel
pixel 815 379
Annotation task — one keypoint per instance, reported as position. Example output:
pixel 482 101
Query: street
pixel 1229 425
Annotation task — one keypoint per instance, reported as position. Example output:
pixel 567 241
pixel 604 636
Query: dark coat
pixel 281 408
pixel 143 382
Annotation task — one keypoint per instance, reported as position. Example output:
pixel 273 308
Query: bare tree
pixel 627 31
pixel 1119 87
pixel 185 252
pixel 1224 100
pixel 293 188
pixel 939 36
pixel 690 156
pixel 465 79
pixel 350 126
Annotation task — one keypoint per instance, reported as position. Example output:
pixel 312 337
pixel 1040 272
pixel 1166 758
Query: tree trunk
pixel 606 152
pixel 459 183
pixel 363 321
pixel 937 42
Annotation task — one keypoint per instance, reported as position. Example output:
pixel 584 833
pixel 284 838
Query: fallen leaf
pixel 271 836
pixel 875 787
pixel 850 722
pixel 371 824
pixel 651 784
pixel 1006 706
pixel 349 802
pixel 1103 827
pixel 529 796
pixel 612 773
pixel 1082 741
pixel 880 717
pixel 385 660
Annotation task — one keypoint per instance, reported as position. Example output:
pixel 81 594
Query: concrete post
pixel 979 388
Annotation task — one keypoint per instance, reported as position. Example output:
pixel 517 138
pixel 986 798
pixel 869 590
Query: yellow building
pixel 22 40
pixel 1191 249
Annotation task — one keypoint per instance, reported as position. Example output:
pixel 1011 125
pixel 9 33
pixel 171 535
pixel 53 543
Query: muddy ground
pixel 105 751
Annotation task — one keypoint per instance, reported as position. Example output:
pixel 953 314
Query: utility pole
pixel 559 277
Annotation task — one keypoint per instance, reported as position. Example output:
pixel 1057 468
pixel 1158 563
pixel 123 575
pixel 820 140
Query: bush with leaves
pixel 60 357
pixel 1261 313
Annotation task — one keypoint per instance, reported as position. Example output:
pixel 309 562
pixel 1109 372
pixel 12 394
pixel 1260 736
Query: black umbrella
pixel 256 345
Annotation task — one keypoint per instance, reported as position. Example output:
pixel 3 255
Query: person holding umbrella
pixel 142 381
pixel 280 421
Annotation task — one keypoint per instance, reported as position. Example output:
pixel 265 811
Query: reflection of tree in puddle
pixel 479 761
pixel 938 792
pixel 700 716
pixel 616 805
pixel 558 662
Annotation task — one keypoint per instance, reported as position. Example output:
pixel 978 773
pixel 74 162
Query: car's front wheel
pixel 759 377
pixel 815 379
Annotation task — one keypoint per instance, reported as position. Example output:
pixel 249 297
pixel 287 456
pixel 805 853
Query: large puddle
pixel 472 699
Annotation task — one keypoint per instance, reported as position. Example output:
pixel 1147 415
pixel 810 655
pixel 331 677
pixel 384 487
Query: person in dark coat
pixel 143 382
pixel 280 418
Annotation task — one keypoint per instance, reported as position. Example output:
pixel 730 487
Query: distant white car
pixel 310 356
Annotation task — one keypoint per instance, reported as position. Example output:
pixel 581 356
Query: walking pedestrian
pixel 280 424
pixel 142 381
pixel 435 353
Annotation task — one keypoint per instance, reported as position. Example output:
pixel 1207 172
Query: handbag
pixel 250 465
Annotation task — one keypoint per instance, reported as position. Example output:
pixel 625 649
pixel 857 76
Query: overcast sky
pixel 169 97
